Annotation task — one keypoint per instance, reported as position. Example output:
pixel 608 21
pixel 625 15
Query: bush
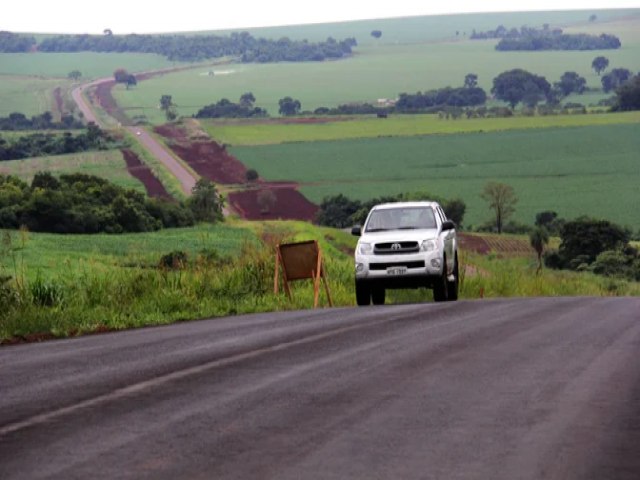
pixel 176 260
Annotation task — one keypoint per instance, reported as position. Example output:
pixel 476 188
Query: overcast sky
pixel 146 16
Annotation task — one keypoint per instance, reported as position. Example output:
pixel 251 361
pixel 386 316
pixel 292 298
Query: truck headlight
pixel 365 248
pixel 428 246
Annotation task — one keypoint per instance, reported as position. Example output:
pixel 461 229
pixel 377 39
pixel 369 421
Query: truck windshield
pixel 402 218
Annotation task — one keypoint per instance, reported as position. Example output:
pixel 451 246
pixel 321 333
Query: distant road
pixel 489 389
pixel 158 150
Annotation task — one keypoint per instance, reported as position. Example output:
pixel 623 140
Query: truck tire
pixel 378 296
pixel 440 293
pixel 454 285
pixel 363 294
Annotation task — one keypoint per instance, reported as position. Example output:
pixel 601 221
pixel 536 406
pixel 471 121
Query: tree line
pixel 531 39
pixel 339 211
pixel 187 48
pixel 42 144
pixel 80 203
pixel 44 121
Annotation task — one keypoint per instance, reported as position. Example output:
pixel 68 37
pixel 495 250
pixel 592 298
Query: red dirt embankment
pixel 271 201
pixel 212 161
pixel 143 173
pixel 206 157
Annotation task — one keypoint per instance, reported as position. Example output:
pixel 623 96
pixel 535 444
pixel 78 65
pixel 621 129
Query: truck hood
pixel 400 236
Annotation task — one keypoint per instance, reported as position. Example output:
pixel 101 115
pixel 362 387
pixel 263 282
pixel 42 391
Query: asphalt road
pixel 490 389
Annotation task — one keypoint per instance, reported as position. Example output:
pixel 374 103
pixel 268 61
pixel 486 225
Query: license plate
pixel 396 270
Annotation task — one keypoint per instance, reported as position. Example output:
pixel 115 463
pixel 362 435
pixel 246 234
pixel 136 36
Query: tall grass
pixel 97 296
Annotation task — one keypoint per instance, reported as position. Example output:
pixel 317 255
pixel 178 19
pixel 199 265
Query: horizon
pixel 121 16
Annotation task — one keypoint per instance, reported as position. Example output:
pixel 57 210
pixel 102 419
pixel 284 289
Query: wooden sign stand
pixel 300 261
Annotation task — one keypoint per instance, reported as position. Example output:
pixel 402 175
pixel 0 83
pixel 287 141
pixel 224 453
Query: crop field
pixel 91 64
pixel 28 95
pixel 106 164
pixel 374 72
pixel 271 132
pixel 591 170
pixel 53 254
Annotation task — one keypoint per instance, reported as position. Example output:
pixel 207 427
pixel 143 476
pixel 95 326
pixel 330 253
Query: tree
pixel 583 239
pixel 120 75
pixel 628 95
pixel 289 106
pixel 515 86
pixel 168 107
pixel 337 211
pixel 131 81
pixel 571 82
pixel 471 80
pixel 376 33
pixel 600 64
pixel 247 100
pixel 502 200
pixel 74 75
pixel 538 239
pixel 251 175
pixel 205 202
pixel 615 78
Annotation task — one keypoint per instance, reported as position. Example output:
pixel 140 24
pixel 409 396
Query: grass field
pixel 91 64
pixel 269 132
pixel 105 164
pixel 53 255
pixel 374 72
pixel 590 170
pixel 28 95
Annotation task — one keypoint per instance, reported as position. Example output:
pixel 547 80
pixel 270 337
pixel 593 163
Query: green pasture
pixel 28 95
pixel 58 255
pixel 106 164
pixel 269 132
pixel 91 64
pixel 374 72
pixel 591 170
pixel 422 29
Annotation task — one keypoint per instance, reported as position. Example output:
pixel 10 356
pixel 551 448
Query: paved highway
pixel 489 389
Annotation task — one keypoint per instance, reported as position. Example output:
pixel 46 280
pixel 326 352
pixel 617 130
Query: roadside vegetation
pixel 58 286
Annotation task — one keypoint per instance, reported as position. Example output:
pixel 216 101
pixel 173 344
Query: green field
pixel 270 132
pixel 589 170
pixel 59 255
pixel 376 72
pixel 28 95
pixel 91 64
pixel 105 164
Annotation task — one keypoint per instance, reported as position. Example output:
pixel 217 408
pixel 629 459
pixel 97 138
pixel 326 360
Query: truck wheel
pixel 440 293
pixel 378 296
pixel 453 285
pixel 363 294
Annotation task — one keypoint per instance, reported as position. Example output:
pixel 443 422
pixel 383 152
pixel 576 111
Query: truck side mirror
pixel 448 225
pixel 356 231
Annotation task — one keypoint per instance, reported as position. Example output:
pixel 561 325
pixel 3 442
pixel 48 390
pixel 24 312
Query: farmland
pixel 269 132
pixel 590 170
pixel 52 255
pixel 377 71
pixel 105 164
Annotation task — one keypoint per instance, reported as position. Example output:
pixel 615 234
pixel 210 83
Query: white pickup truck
pixel 406 245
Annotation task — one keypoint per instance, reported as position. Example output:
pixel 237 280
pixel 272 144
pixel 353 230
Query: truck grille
pixel 396 248
pixel 384 266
